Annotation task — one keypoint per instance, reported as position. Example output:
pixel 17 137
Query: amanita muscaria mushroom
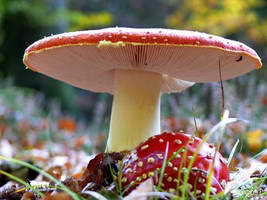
pixel 146 161
pixel 137 66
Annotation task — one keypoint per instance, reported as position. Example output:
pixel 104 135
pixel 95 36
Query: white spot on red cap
pixel 172 190
pixel 140 164
pixel 189 186
pixel 129 170
pixel 151 174
pixel 160 156
pixel 138 179
pixel 201 180
pixel 178 156
pixel 144 147
pixel 178 141
pixel 170 164
pixel 169 179
pixel 198 192
pixel 213 189
pixel 151 160
pixel 184 169
pixel 144 176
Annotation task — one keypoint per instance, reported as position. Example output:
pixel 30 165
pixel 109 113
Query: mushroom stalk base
pixel 136 109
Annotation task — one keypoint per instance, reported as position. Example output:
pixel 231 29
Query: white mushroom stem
pixel 136 109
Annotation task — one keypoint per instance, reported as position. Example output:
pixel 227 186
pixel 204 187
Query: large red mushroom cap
pixel 88 59
pixel 147 159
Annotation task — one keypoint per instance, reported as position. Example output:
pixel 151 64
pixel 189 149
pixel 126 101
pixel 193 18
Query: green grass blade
pixel 259 182
pixel 217 196
pixel 225 116
pixel 127 188
pixel 174 155
pixel 120 176
pixel 182 165
pixel 113 176
pixel 221 124
pixel 95 195
pixel 22 182
pixel 232 153
pixel 163 165
pixel 258 155
pixel 49 140
pixel 264 193
pixel 162 169
pixel 195 122
pixel 184 186
pixel 25 164
pixel 207 191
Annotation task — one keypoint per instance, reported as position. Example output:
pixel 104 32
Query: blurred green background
pixel 24 21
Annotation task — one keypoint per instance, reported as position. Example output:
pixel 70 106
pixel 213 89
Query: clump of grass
pixel 28 186
pixel 114 177
pixel 61 186
pixel 117 176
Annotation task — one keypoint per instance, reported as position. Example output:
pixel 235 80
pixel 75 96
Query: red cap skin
pixel 142 36
pixel 185 55
pixel 146 160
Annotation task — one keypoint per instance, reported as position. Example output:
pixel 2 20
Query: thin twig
pixel 222 88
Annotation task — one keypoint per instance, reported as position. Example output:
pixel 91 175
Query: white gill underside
pixel 92 68
pixel 136 109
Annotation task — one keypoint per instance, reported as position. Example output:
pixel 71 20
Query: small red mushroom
pixel 147 160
